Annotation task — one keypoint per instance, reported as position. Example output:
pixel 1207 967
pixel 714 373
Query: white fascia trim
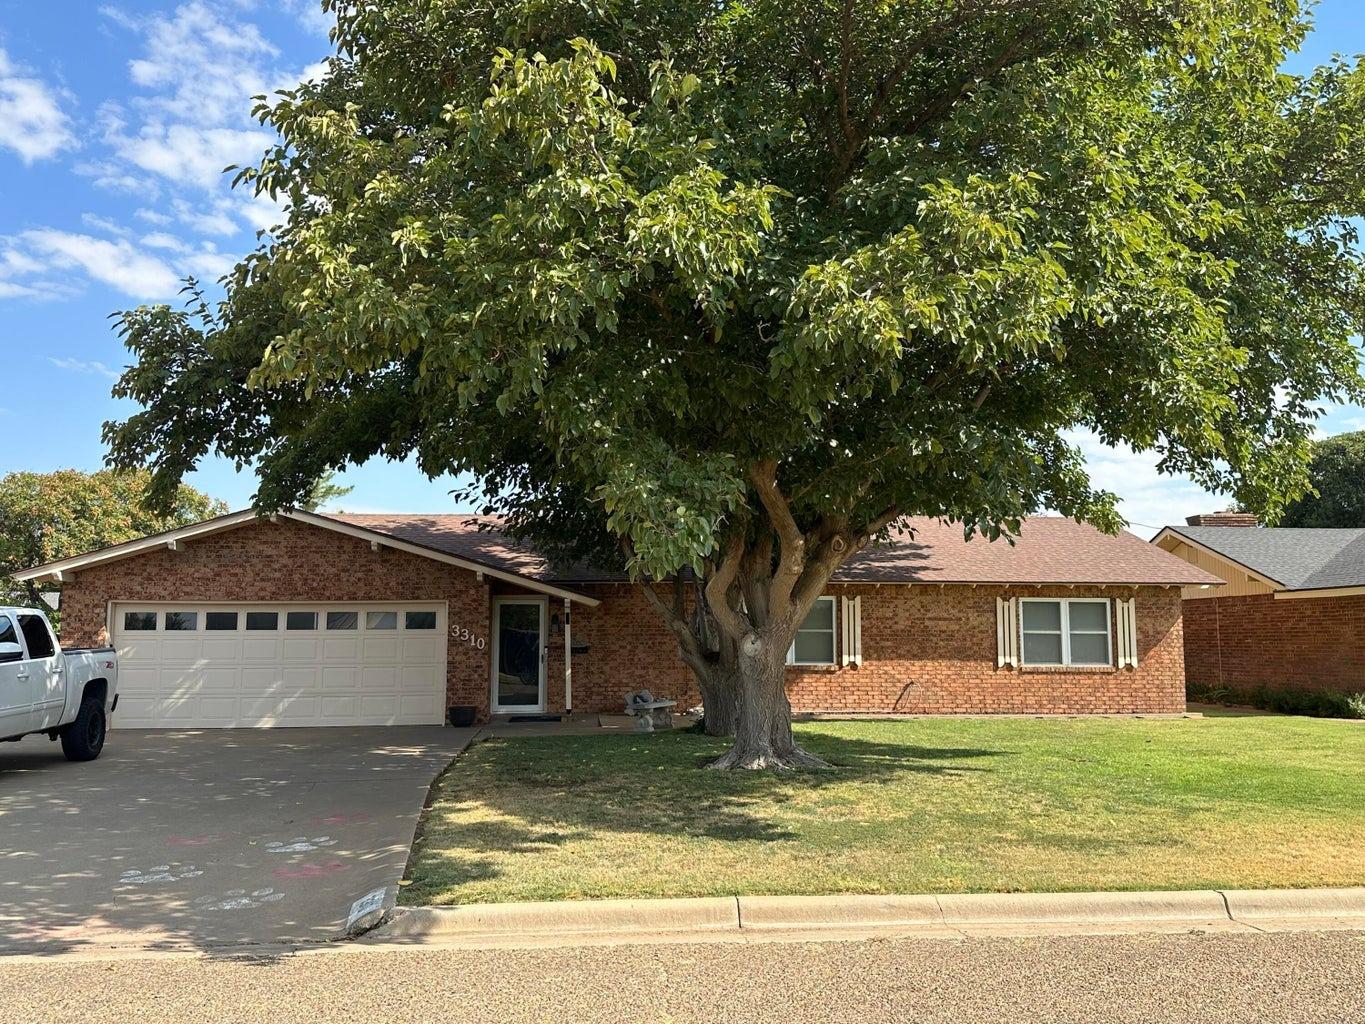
pixel 134 547
pixel 235 519
pixel 1299 595
pixel 1177 535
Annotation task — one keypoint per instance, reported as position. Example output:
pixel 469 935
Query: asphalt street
pixel 1144 979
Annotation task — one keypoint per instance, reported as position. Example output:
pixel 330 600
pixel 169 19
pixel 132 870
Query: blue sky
pixel 115 120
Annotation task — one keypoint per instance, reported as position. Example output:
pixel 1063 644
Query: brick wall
pixel 926 649
pixel 1257 640
pixel 288 561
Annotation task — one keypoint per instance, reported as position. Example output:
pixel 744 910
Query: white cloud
pixel 118 264
pixel 209 264
pixel 111 175
pixel 154 217
pixel 32 122
pixel 1147 499
pixel 164 240
pixel 204 66
pixel 311 15
pixel 84 366
pixel 189 155
pixel 99 223
pixel 212 216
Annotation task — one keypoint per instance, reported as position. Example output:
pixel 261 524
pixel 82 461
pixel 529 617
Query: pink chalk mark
pixel 204 840
pixel 310 870
pixel 341 818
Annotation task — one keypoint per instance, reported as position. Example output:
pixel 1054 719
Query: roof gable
pixel 1294 558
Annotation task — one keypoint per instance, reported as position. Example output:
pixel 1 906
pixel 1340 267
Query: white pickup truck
pixel 67 694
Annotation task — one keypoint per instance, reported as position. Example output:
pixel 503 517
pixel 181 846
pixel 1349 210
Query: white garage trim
pixel 368 663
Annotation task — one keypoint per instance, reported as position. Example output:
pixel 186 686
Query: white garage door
pixel 257 665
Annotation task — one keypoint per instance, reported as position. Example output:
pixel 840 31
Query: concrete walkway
pixel 209 838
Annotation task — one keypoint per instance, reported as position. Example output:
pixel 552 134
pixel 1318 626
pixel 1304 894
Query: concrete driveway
pixel 207 838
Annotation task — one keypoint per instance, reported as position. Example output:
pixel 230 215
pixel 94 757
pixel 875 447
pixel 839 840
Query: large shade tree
pixel 1336 473
pixel 49 516
pixel 725 289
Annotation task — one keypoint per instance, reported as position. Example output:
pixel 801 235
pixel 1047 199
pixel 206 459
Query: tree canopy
pixel 1337 476
pixel 733 286
pixel 48 516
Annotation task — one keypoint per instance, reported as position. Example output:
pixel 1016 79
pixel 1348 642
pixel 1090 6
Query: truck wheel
pixel 83 739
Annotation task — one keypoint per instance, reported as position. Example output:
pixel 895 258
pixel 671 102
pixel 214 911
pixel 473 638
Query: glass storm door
pixel 519 655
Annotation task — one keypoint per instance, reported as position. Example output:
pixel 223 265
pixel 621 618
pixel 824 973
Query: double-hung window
pixel 1070 631
pixel 814 643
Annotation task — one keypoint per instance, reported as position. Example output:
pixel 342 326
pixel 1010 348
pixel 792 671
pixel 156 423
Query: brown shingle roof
pixel 1049 549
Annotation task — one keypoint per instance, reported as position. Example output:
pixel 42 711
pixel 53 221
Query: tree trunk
pixel 719 701
pixel 763 727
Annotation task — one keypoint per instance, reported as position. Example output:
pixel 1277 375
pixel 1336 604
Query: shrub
pixel 1287 700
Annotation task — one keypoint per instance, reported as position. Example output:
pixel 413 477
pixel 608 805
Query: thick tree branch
pixel 718 588
pixel 792 542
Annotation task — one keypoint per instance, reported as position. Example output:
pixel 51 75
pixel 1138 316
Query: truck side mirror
pixel 10 652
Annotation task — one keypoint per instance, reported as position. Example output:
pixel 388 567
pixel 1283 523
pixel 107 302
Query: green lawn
pixel 933 805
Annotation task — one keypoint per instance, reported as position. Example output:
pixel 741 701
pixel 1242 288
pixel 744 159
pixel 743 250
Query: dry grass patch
pixel 924 806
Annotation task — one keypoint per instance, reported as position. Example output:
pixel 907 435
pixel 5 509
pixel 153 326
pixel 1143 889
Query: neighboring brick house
pixel 1291 612
pixel 308 619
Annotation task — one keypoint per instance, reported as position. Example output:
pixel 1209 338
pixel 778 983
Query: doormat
pixel 535 718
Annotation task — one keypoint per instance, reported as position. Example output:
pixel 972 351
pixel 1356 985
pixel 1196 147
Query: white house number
pixel 464 636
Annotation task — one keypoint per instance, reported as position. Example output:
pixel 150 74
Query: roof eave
pixel 130 549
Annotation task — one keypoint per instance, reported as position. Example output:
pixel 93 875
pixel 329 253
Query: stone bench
pixel 650 714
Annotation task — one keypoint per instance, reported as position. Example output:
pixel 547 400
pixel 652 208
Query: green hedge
pixel 1287 700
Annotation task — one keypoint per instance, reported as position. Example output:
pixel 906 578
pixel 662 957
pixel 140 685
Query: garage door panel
pixel 233 678
pixel 425 650
pixel 379 679
pixel 417 679
pixel 261 649
pixel 340 679
pixel 307 649
pixel 222 649
pixel 182 650
pixel 379 649
pixel 338 649
pixel 340 707
pixel 138 652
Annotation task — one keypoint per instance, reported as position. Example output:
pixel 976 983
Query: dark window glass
pixel 37 637
pixel 220 620
pixel 343 620
pixel 420 620
pixel 381 620
pixel 262 620
pixel 182 622
pixel 7 634
pixel 301 620
pixel 139 621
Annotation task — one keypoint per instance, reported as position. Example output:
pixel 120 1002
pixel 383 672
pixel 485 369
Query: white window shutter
pixel 858 631
pixel 845 631
pixel 1006 632
pixel 1127 630
pixel 851 631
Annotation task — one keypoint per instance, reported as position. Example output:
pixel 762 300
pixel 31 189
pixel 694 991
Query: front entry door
pixel 518 655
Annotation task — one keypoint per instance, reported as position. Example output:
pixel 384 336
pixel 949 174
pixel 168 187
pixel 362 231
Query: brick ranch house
pixel 308 619
pixel 1291 612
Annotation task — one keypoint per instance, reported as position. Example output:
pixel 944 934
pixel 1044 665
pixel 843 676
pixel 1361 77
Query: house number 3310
pixel 464 636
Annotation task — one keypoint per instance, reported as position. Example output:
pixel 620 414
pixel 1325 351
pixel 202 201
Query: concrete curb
pixel 762 918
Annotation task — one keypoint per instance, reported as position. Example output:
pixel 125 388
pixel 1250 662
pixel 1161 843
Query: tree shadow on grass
pixel 549 791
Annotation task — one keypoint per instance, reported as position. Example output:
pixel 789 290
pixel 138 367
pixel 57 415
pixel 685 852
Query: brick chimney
pixel 1226 518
